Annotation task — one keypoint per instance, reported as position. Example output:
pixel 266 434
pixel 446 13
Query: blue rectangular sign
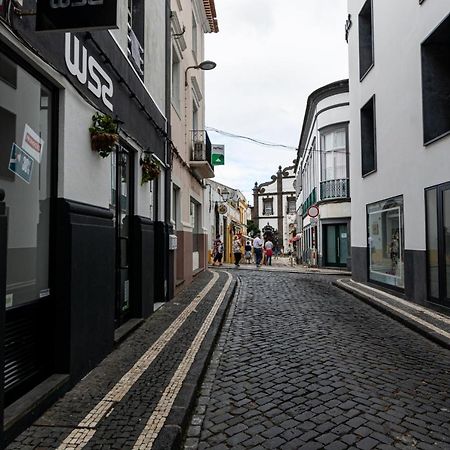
pixel 21 163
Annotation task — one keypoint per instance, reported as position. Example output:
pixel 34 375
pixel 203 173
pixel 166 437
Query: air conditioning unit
pixel 199 151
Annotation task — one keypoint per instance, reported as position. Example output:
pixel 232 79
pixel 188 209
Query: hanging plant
pixel 150 169
pixel 104 134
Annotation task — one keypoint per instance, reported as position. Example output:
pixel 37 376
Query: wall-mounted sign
pixel 313 211
pixel 88 70
pixel 21 163
pixel 32 143
pixel 222 209
pixel 64 15
pixel 218 155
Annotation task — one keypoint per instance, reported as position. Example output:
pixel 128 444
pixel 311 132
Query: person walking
pixel 237 251
pixel 217 251
pixel 258 249
pixel 268 247
pixel 248 252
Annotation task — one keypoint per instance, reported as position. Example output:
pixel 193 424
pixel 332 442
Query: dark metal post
pixel 3 249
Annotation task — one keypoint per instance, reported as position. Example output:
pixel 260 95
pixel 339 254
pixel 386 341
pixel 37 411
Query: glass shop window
pixel 25 130
pixel 386 242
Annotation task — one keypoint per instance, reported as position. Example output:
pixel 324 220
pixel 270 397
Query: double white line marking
pixel 86 429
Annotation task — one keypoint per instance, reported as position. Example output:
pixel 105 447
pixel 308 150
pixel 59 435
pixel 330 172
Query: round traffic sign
pixel 313 211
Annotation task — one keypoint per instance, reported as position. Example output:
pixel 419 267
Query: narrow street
pixel 303 365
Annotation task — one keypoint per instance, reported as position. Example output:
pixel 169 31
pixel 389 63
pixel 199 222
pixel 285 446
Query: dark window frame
pixel 374 133
pixel 363 24
pixel 432 86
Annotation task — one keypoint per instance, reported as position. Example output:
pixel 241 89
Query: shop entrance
pixel 335 245
pixel 25 176
pixel 122 206
pixel 438 243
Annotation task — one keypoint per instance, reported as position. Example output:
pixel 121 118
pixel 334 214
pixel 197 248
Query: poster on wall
pixel 32 143
pixel 21 163
pixel 71 15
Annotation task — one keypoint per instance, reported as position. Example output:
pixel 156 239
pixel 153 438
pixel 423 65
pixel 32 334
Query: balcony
pixel 311 200
pixel 332 189
pixel 200 161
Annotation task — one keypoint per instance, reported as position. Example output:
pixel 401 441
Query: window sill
pixel 365 175
pixel 438 138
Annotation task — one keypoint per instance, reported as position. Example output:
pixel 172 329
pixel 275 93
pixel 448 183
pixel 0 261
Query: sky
pixel 270 55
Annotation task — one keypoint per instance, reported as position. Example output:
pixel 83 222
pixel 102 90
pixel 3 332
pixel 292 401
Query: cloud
pixel 270 56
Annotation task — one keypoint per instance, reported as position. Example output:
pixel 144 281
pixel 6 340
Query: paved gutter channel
pixel 123 424
pixel 412 316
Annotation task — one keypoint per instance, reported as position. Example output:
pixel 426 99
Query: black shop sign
pixel 59 15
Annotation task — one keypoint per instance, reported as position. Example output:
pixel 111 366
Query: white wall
pixel 404 165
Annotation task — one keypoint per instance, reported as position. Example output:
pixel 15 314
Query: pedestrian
pixel 248 252
pixel 217 251
pixel 258 249
pixel 268 247
pixel 237 251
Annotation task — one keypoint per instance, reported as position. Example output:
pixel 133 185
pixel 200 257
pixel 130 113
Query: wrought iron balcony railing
pixel 201 153
pixel 334 189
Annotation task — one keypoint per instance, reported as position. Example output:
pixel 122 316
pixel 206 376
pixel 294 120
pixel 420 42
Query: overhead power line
pixel 250 139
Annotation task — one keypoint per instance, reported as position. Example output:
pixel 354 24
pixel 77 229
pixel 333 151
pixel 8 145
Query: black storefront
pixel 79 272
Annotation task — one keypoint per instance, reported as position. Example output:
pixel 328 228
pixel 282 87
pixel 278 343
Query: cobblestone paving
pixel 121 427
pixel 301 364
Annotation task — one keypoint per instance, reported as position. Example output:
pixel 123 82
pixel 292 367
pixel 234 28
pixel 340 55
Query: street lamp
pixel 225 193
pixel 204 65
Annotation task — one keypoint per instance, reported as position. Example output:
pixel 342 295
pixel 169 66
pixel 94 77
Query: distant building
pixel 322 179
pixel 227 215
pixel 399 141
pixel 274 206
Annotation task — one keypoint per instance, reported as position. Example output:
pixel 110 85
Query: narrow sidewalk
pixel 141 395
pixel 429 323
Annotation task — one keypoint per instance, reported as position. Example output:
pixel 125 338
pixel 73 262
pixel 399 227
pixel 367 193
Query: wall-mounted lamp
pixel 204 65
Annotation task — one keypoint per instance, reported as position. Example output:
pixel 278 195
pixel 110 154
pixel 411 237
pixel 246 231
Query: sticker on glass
pixel 21 163
pixel 32 143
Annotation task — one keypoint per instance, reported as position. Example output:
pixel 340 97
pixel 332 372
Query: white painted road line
pixel 85 430
pixel 162 410
pixel 411 305
pixel 405 314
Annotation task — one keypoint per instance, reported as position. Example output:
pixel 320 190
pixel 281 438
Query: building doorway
pixel 335 245
pixel 123 210
pixel 438 243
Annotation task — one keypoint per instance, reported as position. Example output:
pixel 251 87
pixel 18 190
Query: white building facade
pixel 274 206
pixel 190 22
pixel 399 140
pixel 322 179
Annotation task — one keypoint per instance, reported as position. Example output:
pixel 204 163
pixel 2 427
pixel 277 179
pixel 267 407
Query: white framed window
pixel 334 154
pixel 194 36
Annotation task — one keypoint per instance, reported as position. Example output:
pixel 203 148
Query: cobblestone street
pixel 303 365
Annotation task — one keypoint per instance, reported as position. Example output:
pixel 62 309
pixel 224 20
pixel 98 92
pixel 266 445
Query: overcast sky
pixel 270 55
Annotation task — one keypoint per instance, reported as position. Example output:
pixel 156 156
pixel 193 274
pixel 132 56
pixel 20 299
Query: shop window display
pixel 386 242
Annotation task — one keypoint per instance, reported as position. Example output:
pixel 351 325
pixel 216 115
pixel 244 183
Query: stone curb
pixel 287 270
pixel 171 435
pixel 406 321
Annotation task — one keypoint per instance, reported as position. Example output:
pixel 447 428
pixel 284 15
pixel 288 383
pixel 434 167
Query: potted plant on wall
pixel 104 135
pixel 150 168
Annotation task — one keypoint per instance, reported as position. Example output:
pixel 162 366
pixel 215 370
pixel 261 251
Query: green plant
pixel 104 134
pixel 150 169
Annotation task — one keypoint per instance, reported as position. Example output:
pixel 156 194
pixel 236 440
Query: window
pixel 365 24
pixel 386 242
pixel 136 34
pixel 291 206
pixel 368 138
pixel 175 205
pixel 334 154
pixel 194 216
pixel 194 36
pixel 176 80
pixel 194 115
pixel 436 83
pixel 268 206
pixel 25 176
